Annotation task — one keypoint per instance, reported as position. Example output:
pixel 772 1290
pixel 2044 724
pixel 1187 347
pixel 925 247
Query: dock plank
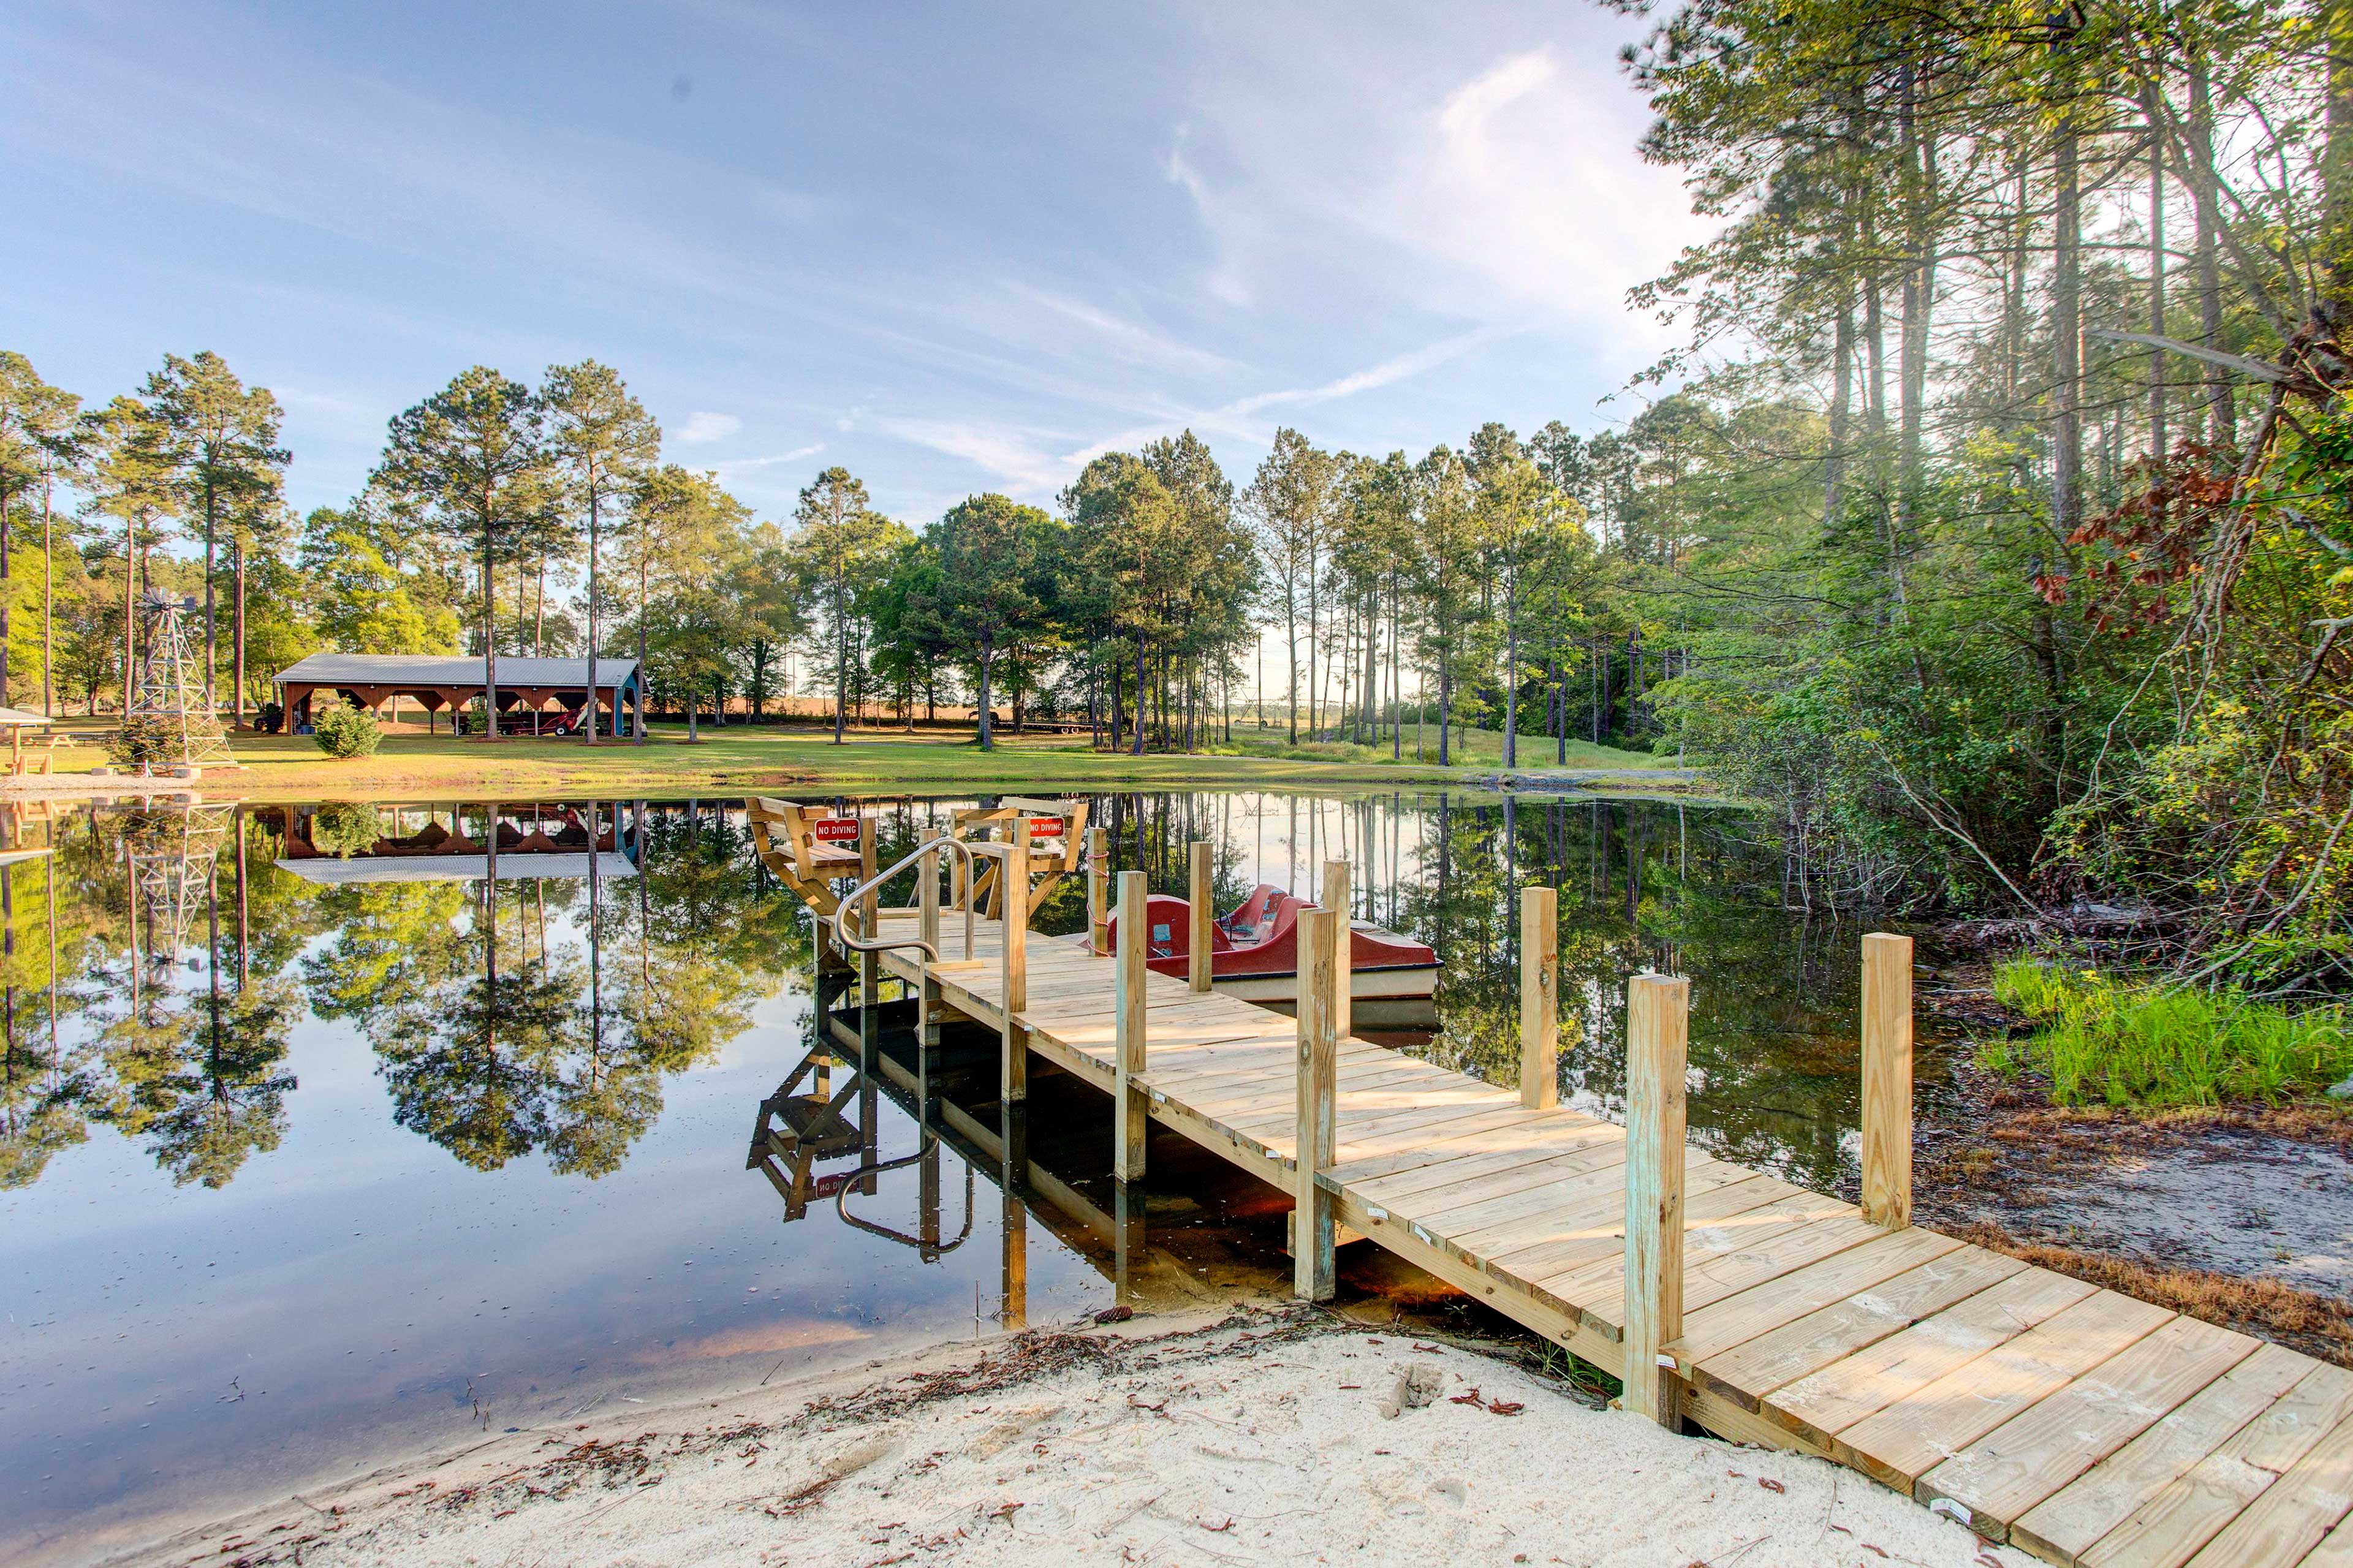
pixel 2020 1463
pixel 2090 1427
pixel 2178 1520
pixel 2064 1524
pixel 1917 1433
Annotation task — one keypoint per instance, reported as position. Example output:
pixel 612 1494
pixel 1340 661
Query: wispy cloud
pixel 734 467
pixel 702 428
pixel 1236 417
pixel 1020 457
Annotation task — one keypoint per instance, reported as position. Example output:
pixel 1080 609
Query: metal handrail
pixel 842 911
pixel 935 1249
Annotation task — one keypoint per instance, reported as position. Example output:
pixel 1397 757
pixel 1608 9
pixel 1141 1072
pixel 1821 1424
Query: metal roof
pixel 412 669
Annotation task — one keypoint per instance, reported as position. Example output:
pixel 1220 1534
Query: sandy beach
pixel 1257 1437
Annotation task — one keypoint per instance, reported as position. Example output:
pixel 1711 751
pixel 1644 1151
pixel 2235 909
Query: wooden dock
pixel 2079 1424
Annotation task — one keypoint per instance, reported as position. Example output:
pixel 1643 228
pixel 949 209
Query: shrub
pixel 2123 1043
pixel 343 731
pixel 145 740
pixel 346 828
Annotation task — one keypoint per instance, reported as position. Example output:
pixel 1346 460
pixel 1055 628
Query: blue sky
pixel 952 247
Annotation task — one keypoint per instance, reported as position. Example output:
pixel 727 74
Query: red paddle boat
pixel 1254 954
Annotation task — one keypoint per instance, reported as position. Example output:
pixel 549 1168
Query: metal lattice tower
pixel 172 689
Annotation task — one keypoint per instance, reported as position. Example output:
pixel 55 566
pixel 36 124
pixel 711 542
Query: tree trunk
pixel 1445 705
pixel 1143 675
pixel 2158 443
pixel 212 643
pixel 840 655
pixel 589 736
pixel 2221 423
pixel 237 632
pixel 130 607
pixel 2066 333
pixel 1512 673
pixel 638 707
pixel 1841 409
pixel 987 655
pixel 490 645
pixel 49 607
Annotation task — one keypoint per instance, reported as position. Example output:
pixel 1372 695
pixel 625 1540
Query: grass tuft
pixel 2121 1043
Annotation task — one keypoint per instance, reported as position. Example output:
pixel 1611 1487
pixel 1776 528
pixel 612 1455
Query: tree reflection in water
pixel 541 1008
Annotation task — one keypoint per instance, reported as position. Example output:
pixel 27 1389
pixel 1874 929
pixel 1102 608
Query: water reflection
pixel 530 975
pixel 385 1110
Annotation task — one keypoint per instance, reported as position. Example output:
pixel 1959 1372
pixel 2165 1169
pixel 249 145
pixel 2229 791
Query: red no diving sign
pixel 834 830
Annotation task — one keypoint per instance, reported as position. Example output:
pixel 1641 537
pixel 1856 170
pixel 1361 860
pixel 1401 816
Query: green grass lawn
pixel 778 761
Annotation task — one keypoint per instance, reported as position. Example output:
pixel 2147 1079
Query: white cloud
pixel 734 465
pixel 1018 457
pixel 1234 418
pixel 702 428
pixel 1500 185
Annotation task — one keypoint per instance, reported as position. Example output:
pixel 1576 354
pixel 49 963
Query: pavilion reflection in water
pixel 334 844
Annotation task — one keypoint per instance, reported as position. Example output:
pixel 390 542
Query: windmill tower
pixel 171 692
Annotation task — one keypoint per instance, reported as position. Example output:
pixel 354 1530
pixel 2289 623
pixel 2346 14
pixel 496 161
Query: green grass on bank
pixel 2107 1042
pixel 1473 748
pixel 742 758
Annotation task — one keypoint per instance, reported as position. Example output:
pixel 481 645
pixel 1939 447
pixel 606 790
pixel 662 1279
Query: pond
pixel 329 1133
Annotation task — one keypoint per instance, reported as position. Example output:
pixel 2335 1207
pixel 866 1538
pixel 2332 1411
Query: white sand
pixel 1257 1441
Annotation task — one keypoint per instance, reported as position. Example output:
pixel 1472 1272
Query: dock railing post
pixel 1342 942
pixel 1313 1226
pixel 1130 1111
pixel 927 910
pixel 1539 997
pixel 1887 1080
pixel 1197 916
pixel 1656 1046
pixel 1013 881
pixel 870 964
pixel 1098 887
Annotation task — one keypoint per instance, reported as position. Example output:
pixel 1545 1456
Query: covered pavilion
pixel 536 695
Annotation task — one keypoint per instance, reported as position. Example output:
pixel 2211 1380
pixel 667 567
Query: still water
pixel 328 1134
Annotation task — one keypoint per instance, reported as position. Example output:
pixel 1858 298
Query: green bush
pixel 2121 1043
pixel 346 828
pixel 145 740
pixel 343 731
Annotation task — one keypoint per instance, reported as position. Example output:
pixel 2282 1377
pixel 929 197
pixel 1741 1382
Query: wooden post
pixel 1314 1267
pixel 927 911
pixel 1098 887
pixel 1657 1045
pixel 1197 917
pixel 1887 1080
pixel 1344 943
pixel 1013 880
pixel 1131 1112
pixel 1539 997
pixel 1013 1314
pixel 870 964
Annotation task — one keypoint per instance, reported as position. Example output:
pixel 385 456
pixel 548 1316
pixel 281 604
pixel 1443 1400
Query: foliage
pixel 346 828
pixel 2102 1040
pixel 343 731
pixel 145 740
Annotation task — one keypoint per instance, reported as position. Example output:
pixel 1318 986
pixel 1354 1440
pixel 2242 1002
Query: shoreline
pixel 739 759
pixel 2238 1214
pixel 1249 1435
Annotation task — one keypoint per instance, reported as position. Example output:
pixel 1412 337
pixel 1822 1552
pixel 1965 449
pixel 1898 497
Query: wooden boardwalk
pixel 2082 1425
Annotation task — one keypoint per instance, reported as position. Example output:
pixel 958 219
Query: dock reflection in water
pixel 328 1132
